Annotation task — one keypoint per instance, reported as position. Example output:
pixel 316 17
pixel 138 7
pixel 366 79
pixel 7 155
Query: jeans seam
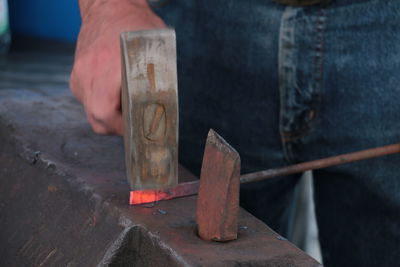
pixel 286 37
pixel 320 27
pixel 318 75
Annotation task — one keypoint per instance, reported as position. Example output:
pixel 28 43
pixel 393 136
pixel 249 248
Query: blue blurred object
pixel 52 19
pixel 5 39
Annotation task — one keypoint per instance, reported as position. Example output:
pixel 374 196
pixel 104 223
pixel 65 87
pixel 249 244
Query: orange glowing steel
pixel 149 196
pixel 146 196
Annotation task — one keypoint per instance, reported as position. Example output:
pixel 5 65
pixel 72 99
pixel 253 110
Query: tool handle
pixel 321 163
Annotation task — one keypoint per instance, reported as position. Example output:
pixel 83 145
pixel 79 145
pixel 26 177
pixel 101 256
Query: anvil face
pixel 150 108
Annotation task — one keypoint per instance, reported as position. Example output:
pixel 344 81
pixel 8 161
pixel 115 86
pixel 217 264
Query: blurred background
pixel 37 40
pixel 49 19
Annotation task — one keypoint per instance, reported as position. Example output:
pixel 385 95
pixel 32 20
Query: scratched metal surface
pixel 64 195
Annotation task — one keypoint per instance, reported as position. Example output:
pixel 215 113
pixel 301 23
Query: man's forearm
pixel 87 5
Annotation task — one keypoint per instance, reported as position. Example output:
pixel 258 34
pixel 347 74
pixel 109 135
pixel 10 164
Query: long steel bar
pixel 321 163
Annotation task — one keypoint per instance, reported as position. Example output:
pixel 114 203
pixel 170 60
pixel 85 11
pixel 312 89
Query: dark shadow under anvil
pixel 64 200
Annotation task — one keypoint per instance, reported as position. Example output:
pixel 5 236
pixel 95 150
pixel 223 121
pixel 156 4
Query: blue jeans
pixel 289 84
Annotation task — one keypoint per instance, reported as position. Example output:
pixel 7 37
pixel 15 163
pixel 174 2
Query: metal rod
pixel 191 188
pixel 321 163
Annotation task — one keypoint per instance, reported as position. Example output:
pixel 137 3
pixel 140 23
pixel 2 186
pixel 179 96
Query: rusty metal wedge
pixel 218 199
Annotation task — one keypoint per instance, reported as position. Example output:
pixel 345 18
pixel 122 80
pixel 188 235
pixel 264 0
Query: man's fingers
pixel 111 125
pixel 103 102
pixel 74 86
pixel 104 113
pixel 103 110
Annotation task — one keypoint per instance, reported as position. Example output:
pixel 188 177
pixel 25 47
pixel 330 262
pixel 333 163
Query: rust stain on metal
pixel 52 188
pixel 218 200
pixel 151 76
pixel 154 122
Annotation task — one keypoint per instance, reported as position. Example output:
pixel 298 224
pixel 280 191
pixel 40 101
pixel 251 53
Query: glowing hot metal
pixel 149 196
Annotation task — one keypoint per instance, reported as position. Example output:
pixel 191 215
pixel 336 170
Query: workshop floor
pixel 39 65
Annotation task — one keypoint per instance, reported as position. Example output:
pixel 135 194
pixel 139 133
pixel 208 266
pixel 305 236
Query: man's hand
pixel 96 74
